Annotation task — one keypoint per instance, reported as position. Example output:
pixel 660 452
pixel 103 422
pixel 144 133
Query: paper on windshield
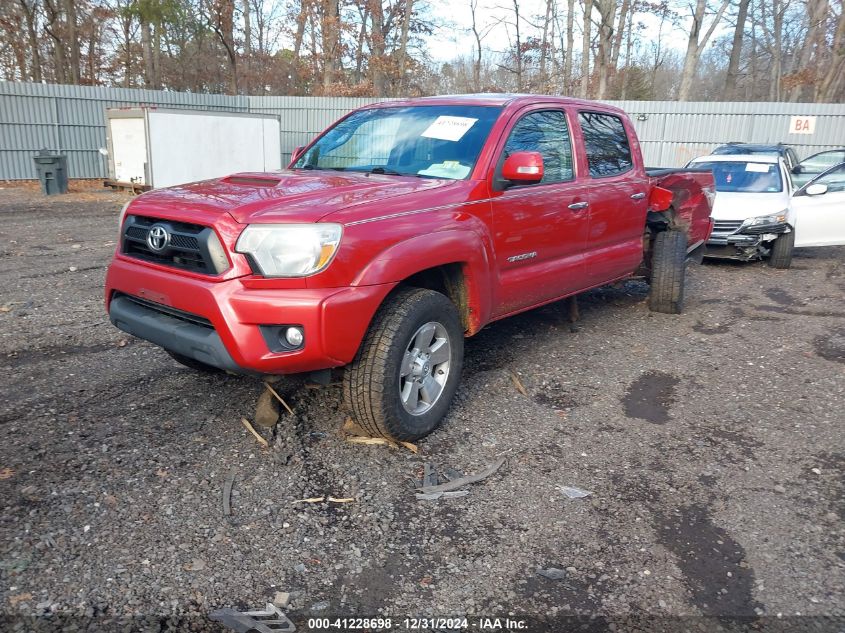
pixel 446 169
pixel 449 128
pixel 762 168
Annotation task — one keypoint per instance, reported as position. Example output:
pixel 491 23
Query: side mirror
pixel 523 167
pixel 797 169
pixel 816 189
pixel 297 152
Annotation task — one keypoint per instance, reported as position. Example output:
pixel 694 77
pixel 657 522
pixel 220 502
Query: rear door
pixel 539 229
pixel 820 218
pixel 617 191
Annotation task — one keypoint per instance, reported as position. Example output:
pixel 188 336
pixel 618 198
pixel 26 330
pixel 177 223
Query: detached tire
pixel 782 249
pixel 668 272
pixel 406 372
pixel 196 365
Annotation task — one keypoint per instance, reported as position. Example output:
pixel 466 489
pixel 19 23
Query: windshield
pixel 743 177
pixel 428 141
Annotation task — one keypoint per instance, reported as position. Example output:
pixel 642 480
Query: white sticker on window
pixel 449 128
pixel 761 168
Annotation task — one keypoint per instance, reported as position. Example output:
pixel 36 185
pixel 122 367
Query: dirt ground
pixel 711 442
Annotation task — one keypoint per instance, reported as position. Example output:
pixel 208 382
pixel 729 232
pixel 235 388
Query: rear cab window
pixel 606 144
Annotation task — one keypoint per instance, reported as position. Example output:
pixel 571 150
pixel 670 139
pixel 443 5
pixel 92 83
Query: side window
pixel 606 144
pixel 834 179
pixel 545 132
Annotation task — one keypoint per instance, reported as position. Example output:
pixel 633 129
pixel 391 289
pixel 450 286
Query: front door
pixel 539 229
pixel 820 218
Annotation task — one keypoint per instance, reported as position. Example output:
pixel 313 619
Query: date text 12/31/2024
pixel 417 624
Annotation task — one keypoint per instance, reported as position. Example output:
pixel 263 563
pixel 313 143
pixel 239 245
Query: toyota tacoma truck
pixel 403 228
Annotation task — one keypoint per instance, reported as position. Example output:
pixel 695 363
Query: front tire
pixel 407 370
pixel 782 249
pixel 668 272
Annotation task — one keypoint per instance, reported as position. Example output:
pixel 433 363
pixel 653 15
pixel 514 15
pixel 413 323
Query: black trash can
pixel 52 172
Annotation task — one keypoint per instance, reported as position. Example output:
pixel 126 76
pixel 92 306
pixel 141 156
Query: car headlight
pixel 778 218
pixel 290 250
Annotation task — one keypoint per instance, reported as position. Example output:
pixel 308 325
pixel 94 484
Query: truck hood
pixel 740 206
pixel 283 196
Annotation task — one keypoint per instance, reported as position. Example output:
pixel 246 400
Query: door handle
pixel 577 206
pixel 638 196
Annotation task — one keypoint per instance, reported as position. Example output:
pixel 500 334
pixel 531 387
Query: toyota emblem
pixel 158 238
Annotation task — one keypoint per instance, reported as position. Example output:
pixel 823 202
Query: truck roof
pixel 493 99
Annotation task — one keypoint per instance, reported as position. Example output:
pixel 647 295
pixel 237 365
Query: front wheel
pixel 668 272
pixel 782 248
pixel 406 372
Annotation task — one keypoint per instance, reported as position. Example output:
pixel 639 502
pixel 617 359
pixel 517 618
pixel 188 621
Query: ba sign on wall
pixel 802 125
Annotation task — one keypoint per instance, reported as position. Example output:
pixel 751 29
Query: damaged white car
pixel 759 215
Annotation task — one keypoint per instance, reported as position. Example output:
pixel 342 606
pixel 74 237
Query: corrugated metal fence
pixel 71 120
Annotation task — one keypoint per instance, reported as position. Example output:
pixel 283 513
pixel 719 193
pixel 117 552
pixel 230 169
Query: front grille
pixel 163 309
pixel 190 247
pixel 726 226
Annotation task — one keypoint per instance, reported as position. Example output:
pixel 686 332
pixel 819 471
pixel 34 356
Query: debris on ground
pixel 227 493
pixel 430 493
pixel 518 384
pixel 271 620
pixel 429 476
pixel 266 410
pixel 6 473
pixel 278 397
pixel 361 439
pixel 257 435
pixel 434 496
pixel 310 500
pixel 281 599
pixel 574 493
pixel 341 500
pixel 552 573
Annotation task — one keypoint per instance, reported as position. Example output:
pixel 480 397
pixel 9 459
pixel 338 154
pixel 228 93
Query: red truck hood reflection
pixel 284 196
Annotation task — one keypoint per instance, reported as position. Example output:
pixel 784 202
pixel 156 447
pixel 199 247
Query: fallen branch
pixel 518 384
pixel 360 439
pixel 278 397
pixel 250 428
pixel 463 481
pixel 227 493
pixel 310 500
pixel 343 500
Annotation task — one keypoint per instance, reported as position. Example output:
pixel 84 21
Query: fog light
pixel 294 336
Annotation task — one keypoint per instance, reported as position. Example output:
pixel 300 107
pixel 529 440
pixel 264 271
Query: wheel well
pixel 448 279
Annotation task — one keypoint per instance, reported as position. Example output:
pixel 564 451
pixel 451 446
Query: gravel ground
pixel 711 442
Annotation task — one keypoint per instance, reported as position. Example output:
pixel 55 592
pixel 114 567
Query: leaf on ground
pixel 161 472
pixel 20 597
pixel 6 473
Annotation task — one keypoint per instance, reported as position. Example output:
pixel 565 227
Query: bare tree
pixel 585 49
pixel 697 41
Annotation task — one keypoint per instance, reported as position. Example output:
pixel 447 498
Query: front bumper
pixel 218 322
pixel 745 243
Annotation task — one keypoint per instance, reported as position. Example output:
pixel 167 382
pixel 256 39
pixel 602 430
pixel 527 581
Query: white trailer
pixel 150 147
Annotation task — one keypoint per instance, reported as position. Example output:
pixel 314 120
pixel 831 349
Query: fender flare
pixel 453 246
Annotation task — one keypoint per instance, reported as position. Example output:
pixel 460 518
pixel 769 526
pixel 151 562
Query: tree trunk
pixel 330 28
pixel 832 82
pixel 157 56
pixel 72 39
pixel 403 40
pixel 570 44
pixel 147 54
pixel 247 43
pixel 628 44
pixel 359 48
pixel 696 45
pixel 32 38
pixel 544 45
pixel 377 75
pixel 607 13
pixel 736 52
pixel 59 63
pixel 585 49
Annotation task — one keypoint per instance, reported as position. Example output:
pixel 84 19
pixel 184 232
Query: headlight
pixel 778 218
pixel 290 250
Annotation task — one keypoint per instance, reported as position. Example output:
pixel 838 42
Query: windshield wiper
pixel 387 171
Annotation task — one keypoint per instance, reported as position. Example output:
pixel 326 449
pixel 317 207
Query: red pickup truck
pixel 398 231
